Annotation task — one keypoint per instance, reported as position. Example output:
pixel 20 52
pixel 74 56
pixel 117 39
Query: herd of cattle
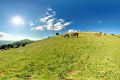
pixel 76 34
pixel 98 34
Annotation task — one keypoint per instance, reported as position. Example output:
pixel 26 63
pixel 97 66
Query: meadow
pixel 88 57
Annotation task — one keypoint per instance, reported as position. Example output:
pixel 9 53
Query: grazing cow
pixel 66 35
pixel 74 34
pixel 98 34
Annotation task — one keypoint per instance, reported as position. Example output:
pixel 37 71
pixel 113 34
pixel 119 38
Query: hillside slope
pixel 88 57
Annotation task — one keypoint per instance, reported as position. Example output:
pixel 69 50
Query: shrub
pixel 57 33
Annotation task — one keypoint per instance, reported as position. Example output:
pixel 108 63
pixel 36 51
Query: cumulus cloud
pixel 41 28
pixel 51 23
pixel 73 30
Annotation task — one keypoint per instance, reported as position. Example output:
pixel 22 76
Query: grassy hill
pixel 88 57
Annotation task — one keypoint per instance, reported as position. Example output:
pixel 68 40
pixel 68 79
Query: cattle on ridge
pixel 72 34
pixel 98 34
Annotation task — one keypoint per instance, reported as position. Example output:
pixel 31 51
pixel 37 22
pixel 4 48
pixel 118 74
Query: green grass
pixel 88 57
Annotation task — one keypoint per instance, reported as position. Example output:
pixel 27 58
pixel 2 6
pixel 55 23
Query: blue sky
pixel 83 15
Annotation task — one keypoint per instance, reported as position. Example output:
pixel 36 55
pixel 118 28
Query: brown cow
pixel 66 35
pixel 98 34
pixel 74 34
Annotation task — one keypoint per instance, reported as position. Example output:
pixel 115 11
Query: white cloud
pixel 51 23
pixel 99 22
pixel 49 9
pixel 73 30
pixel 39 28
pixel 31 23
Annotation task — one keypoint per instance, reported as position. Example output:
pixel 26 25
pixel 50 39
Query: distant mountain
pixel 25 41
pixel 6 42
pixel 14 44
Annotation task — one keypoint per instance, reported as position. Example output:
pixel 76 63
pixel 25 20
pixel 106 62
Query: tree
pixel 10 46
pixel 3 47
pixel 23 45
pixel 57 33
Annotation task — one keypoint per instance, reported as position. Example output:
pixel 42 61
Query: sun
pixel 17 20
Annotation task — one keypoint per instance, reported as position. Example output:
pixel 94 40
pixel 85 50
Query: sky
pixel 38 19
